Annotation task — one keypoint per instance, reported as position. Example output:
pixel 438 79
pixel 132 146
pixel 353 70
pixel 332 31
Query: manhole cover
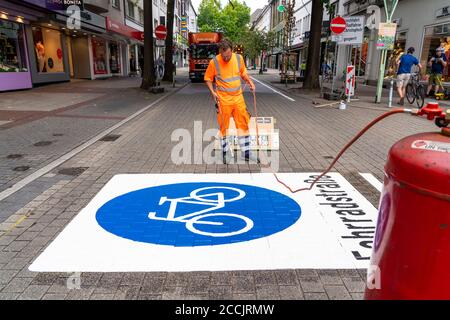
pixel 21 168
pixel 75 171
pixel 14 156
pixel 110 137
pixel 42 143
pixel 58 134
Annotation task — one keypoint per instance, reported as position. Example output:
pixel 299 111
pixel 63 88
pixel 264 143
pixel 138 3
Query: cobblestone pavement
pixel 309 137
pixel 65 116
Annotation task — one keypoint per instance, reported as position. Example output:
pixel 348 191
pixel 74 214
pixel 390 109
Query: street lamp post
pixel 389 7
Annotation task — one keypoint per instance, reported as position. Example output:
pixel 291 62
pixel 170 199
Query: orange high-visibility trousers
pixel 240 116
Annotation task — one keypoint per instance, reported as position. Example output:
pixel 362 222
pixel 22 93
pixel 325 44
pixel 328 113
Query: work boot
pixel 247 154
pixel 227 154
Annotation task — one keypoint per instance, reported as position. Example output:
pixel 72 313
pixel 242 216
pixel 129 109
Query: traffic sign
pixel 350 81
pixel 161 32
pixel 338 25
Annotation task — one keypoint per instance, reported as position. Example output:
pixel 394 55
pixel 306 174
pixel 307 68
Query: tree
pixel 209 15
pixel 168 67
pixel 232 20
pixel 148 79
pixel 313 62
pixel 256 42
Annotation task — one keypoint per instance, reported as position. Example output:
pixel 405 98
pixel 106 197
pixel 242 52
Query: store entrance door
pixel 114 58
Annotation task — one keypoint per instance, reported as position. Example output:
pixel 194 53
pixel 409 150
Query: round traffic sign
pixel 338 25
pixel 161 32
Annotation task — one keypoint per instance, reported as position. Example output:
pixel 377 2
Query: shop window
pixel 48 50
pixel 114 57
pixel 99 55
pixel 116 4
pixel 435 37
pixel 141 15
pixel 130 9
pixel 12 48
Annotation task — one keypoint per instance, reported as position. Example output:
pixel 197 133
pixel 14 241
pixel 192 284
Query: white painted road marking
pixel 373 181
pixel 281 94
pixel 335 229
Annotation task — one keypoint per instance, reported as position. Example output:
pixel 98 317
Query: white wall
pixel 302 20
pixel 263 23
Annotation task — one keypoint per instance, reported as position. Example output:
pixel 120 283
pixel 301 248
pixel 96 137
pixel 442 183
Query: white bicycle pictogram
pixel 215 200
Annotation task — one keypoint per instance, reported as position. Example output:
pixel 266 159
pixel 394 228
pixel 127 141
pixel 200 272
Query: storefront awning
pixel 123 30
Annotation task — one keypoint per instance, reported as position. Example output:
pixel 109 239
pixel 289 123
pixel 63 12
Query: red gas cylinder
pixel 411 250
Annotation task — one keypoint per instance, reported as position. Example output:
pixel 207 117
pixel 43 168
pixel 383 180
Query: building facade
pixel 424 25
pixel 42 43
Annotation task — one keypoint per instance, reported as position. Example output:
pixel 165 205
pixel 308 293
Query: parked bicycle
pixel 415 91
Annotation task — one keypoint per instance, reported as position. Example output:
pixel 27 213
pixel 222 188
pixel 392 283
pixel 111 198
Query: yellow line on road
pixel 21 219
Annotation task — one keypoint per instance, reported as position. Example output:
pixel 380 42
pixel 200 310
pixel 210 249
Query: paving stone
pixel 17 285
pixel 7 275
pixel 267 292
pixel 315 296
pixel 243 284
pixel 311 284
pixel 54 296
pixel 220 292
pixel 102 296
pixel 244 296
pixel 265 278
pixel 172 293
pixel 357 295
pixel 337 293
pixel 354 284
pixel 286 277
pixel 8 296
pixel 34 292
pixel 133 278
pixel 147 296
pixel 125 292
pixel 221 278
pixel 152 286
pixel 80 294
pixel 291 292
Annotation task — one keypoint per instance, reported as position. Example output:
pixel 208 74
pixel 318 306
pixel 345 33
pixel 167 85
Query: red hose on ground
pixel 367 127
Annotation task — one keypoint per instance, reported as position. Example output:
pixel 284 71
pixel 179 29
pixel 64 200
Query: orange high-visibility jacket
pixel 228 78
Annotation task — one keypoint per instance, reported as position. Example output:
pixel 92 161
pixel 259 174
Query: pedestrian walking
pixel 404 65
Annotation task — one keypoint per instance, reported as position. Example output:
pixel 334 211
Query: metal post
pixel 389 13
pixel 360 59
pixel 391 91
pixel 334 68
pixel 381 76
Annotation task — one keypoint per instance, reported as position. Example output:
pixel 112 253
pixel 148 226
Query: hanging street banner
pixel 386 36
pixel 354 31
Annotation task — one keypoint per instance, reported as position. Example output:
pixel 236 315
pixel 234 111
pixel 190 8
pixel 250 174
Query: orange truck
pixel 203 46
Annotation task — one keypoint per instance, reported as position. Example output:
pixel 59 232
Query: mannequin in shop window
pixel 101 65
pixel 393 59
pixel 40 54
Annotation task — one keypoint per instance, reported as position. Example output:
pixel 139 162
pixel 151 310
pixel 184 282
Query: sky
pixel 253 4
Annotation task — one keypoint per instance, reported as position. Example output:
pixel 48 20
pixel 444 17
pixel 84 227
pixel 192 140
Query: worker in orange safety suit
pixel 226 70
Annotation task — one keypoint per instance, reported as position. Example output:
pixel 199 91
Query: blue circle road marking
pixel 198 214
